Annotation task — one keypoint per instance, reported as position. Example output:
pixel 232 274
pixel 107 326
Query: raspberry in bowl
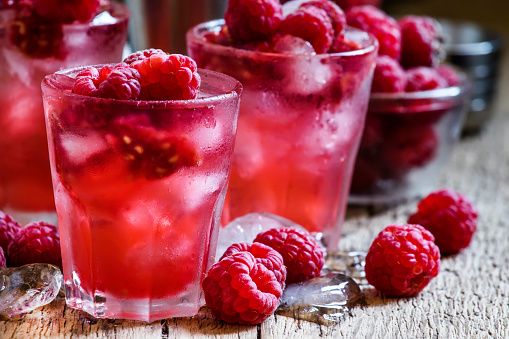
pixel 306 87
pixel 38 38
pixel 140 156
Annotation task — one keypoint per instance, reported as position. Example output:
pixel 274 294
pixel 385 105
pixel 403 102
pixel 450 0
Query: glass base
pixel 26 217
pixel 110 307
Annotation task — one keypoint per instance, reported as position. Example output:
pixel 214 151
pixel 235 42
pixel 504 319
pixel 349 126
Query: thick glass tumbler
pixel 300 124
pixel 29 50
pixel 139 188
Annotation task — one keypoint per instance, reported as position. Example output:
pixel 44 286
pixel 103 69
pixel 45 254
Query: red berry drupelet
pixel 302 254
pixel 402 260
pixel 265 255
pixel 38 242
pixel 375 21
pixel 252 20
pixel 389 76
pixel 450 217
pixel 8 229
pixel 168 77
pixel 420 41
pixel 239 289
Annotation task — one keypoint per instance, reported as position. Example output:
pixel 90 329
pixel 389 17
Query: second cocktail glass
pixel 300 124
pixel 139 188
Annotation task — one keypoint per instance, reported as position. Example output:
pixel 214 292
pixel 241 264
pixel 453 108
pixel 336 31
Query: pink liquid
pixel 25 178
pixel 300 123
pixel 136 244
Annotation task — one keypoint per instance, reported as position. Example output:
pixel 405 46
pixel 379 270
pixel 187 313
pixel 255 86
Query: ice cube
pixel 293 45
pixel 25 288
pixel 246 228
pixel 307 75
pixel 324 300
pixel 349 263
pixel 291 6
pixel 80 148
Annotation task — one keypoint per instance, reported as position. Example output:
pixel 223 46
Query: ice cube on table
pixel 323 300
pixel 349 263
pixel 25 288
pixel 245 229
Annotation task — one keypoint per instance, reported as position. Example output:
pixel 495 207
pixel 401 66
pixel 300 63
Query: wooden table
pixel 468 299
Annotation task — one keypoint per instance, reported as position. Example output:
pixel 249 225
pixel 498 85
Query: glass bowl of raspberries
pixel 416 109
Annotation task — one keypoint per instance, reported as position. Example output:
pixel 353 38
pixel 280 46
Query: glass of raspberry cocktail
pixel 36 41
pixel 139 188
pixel 300 123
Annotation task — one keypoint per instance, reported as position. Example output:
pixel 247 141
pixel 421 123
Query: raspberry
pixel 311 24
pixel 375 21
pixel 423 79
pixel 408 147
pixel 238 289
pixel 142 55
pixel 8 229
pixel 168 77
pixel 450 217
pixel 149 152
pixel 3 262
pixel 116 82
pixel 65 11
pixel 335 14
pixel 420 41
pixel 265 255
pixel 389 76
pixel 342 44
pixel 38 242
pixel 302 255
pixel 449 74
pixel 402 260
pixel 347 4
pixel 251 20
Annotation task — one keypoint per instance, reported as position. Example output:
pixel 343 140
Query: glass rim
pixel 234 90
pixel 193 35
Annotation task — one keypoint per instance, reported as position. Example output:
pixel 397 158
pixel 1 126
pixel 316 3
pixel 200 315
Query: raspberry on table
pixel 142 55
pixel 375 21
pixel 420 41
pixel 423 78
pixel 265 255
pixel 402 260
pixel 238 289
pixel 302 254
pixel 38 242
pixel 168 77
pixel 311 24
pixel 251 20
pixel 389 76
pixel 3 261
pixel 8 229
pixel 450 217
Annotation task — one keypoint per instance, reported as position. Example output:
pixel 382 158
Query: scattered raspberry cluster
pixel 404 258
pixel 260 25
pixel 37 242
pixel 245 285
pixel 146 75
pixel 37 27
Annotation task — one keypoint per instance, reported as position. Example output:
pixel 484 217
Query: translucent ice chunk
pixel 291 6
pixel 292 44
pixel 349 263
pixel 323 300
pixel 104 18
pixel 247 227
pixel 80 148
pixel 25 288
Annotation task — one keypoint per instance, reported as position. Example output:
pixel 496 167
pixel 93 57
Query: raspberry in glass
pixel 450 217
pixel 342 44
pixel 3 262
pixel 238 289
pixel 265 255
pixel 389 76
pixel 8 229
pixel 375 21
pixel 142 55
pixel 336 14
pixel 38 242
pixel 311 24
pixel 423 78
pixel 65 11
pixel 420 41
pixel 449 74
pixel 402 260
pixel 251 20
pixel 168 77
pixel 302 254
